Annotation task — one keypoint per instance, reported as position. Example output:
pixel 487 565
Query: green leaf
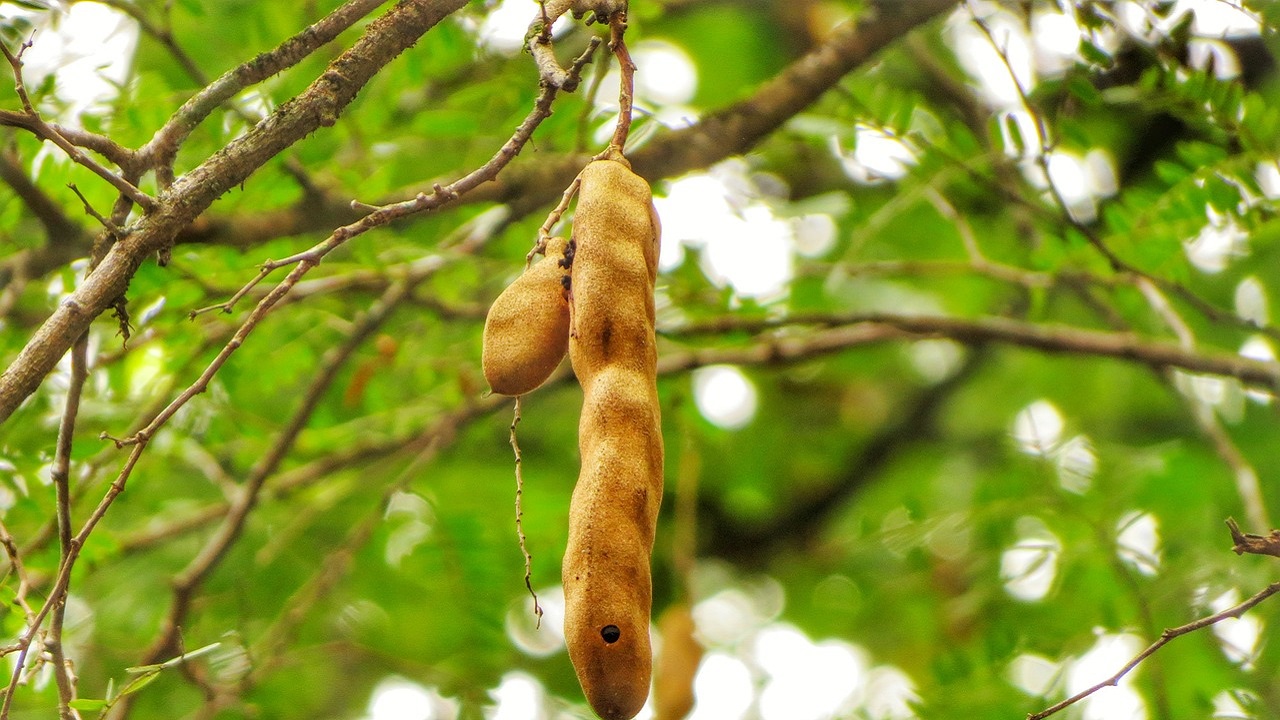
pixel 1094 54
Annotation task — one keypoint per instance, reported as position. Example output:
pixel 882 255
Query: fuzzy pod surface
pixel 526 332
pixel 614 510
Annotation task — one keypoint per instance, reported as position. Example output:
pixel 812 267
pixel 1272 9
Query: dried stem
pixel 88 210
pixel 61 475
pixel 524 548
pixel 626 80
pixel 553 217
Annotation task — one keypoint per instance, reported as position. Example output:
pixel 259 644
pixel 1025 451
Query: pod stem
pixel 626 84
pixel 553 217
pixel 524 549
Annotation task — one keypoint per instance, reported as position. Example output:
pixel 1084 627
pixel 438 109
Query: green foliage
pixel 878 498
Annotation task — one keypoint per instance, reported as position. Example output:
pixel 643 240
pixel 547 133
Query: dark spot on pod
pixel 566 262
pixel 610 633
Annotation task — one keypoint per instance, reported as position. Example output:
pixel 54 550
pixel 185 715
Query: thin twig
pixel 553 217
pixel 309 259
pixel 524 548
pixel 45 131
pixel 1165 637
pixel 298 607
pixel 88 210
pixel 437 198
pixel 210 556
pixel 61 475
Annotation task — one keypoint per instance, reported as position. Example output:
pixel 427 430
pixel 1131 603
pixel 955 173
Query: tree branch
pixel 317 106
pixel 186 583
pixel 732 539
pixel 871 327
pixel 1165 637
pixel 1268 544
pixel 731 130
pixel 160 151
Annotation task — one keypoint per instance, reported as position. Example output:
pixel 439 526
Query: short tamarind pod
pixel 677 664
pixel 614 510
pixel 526 332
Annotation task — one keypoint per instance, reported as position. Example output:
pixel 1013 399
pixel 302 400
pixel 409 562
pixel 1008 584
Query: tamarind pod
pixel 614 510
pixel 677 664
pixel 526 332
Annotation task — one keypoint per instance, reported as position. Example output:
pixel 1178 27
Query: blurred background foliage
pixel 932 527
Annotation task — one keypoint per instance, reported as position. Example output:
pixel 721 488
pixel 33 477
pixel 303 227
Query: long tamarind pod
pixel 526 332
pixel 677 664
pixel 614 510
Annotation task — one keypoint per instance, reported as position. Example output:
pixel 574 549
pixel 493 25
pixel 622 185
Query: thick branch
pixel 165 143
pixel 318 106
pixel 1045 337
pixel 726 132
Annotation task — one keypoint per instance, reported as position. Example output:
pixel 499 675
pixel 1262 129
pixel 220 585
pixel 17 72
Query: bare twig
pixel 553 217
pixel 61 475
pixel 1165 637
pixel 88 210
pixel 524 548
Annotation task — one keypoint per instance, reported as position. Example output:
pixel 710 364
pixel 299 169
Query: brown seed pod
pixel 677 664
pixel 526 332
pixel 614 511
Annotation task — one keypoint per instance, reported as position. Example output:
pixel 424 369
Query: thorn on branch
pixel 1253 544
pixel 120 312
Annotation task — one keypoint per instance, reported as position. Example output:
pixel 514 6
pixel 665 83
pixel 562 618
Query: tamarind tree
pixel 966 363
